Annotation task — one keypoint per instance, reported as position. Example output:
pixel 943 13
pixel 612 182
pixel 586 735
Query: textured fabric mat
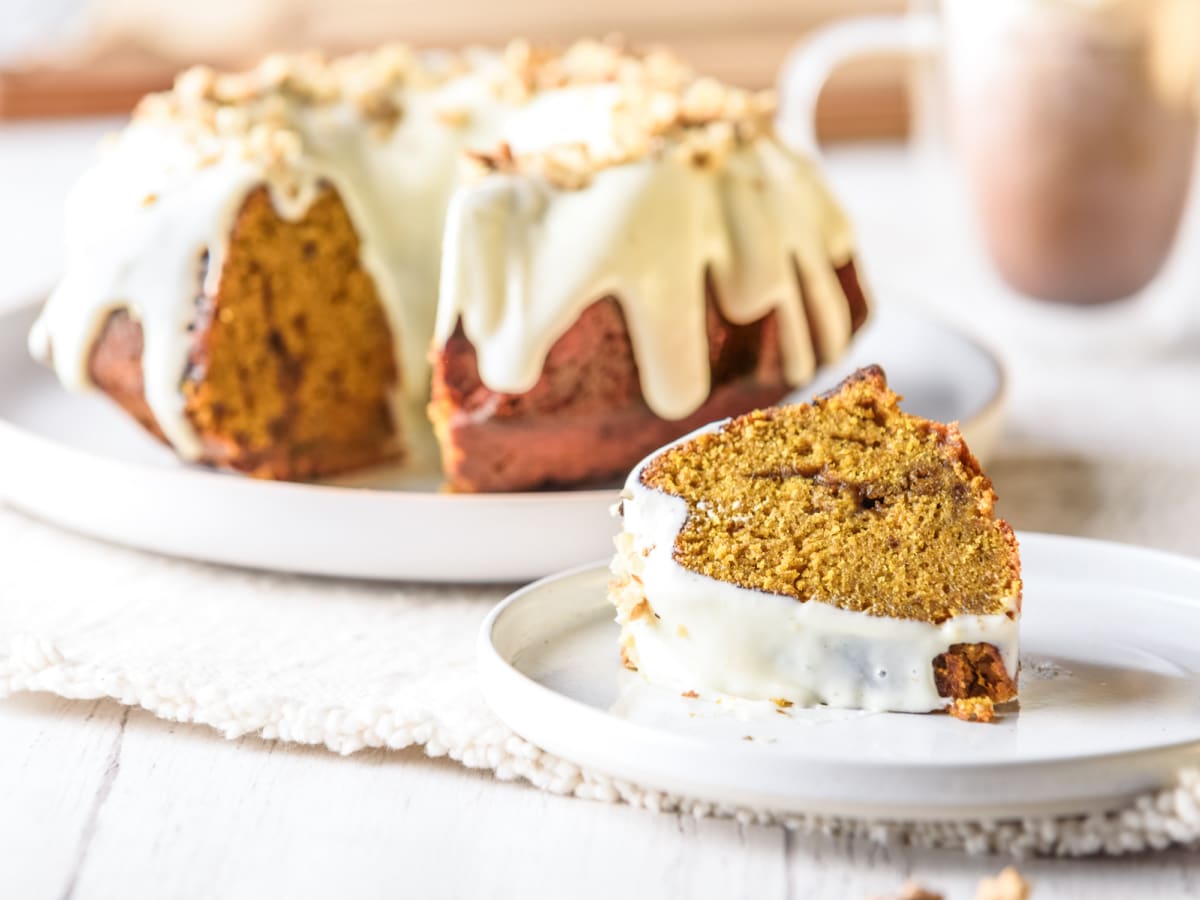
pixel 353 664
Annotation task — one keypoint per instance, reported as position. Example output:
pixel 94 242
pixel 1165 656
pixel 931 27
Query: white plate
pixel 79 462
pixel 1109 707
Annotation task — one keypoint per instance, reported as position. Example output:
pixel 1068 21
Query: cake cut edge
pixel 971 675
pixel 971 679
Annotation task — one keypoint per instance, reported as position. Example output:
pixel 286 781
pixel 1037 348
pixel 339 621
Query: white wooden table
pixel 98 801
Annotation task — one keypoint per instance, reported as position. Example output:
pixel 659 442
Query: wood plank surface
pixel 101 803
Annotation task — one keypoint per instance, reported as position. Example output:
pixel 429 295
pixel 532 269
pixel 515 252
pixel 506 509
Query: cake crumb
pixel 691 695
pixel 973 709
pixel 662 102
pixel 911 890
pixel 452 116
pixel 781 703
pixel 640 609
pixel 682 631
pixel 627 660
pixel 1008 885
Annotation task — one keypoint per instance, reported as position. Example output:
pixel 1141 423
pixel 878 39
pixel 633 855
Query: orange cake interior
pixel 847 502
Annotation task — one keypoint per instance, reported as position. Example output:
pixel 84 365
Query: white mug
pixel 1074 123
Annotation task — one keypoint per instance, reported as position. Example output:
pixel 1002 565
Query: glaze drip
pixel 514 252
pixel 690 632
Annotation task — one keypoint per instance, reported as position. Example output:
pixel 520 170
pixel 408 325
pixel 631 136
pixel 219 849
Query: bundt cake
pixel 561 260
pixel 842 553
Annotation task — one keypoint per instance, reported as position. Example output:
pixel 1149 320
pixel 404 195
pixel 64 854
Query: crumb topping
pixel 662 106
pixel 848 501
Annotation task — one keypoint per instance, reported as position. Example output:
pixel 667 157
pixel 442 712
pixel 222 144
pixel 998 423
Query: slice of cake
pixel 841 552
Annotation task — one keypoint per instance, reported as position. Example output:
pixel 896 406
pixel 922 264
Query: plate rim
pixel 50 472
pixel 498 676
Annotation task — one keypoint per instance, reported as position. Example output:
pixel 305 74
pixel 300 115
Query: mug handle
pixel 809 65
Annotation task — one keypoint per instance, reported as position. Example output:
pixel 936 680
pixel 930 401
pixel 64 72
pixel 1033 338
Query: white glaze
pixel 512 257
pixel 711 636
pixel 125 251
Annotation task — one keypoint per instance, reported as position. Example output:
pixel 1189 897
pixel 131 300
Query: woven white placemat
pixel 352 665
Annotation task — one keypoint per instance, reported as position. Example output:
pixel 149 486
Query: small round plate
pixel 1109 704
pixel 78 461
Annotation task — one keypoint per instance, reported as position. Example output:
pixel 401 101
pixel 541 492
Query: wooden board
pixel 130 55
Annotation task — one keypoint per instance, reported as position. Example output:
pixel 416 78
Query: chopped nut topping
pixel 703 101
pixel 379 107
pixel 566 166
pixel 275 70
pixel 661 107
pixel 233 120
pixel 453 117
pixel 195 84
pixel 499 160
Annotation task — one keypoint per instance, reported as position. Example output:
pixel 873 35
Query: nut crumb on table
pixel 910 890
pixel 1007 885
